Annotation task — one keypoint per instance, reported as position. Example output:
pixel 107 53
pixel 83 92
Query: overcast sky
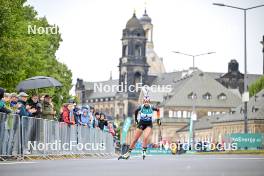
pixel 92 29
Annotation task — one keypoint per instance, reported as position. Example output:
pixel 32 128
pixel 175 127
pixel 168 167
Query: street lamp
pixel 193 97
pixel 193 56
pixel 192 118
pixel 245 96
pixel 262 42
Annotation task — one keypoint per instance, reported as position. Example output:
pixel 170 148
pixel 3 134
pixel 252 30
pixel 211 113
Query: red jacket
pixel 67 116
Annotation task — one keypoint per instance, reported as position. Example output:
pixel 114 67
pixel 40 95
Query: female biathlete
pixel 144 125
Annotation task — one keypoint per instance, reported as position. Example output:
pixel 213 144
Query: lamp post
pixel 193 97
pixel 193 56
pixel 192 118
pixel 262 42
pixel 245 97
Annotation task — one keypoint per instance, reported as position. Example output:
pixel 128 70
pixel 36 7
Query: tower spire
pixel 134 13
pixel 145 11
pixel 262 42
pixel 111 77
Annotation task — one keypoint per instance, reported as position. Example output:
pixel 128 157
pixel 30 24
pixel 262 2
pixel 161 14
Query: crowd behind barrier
pixel 28 136
pixel 42 106
pixel 29 126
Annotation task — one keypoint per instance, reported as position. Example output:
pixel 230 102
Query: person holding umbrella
pixel 35 104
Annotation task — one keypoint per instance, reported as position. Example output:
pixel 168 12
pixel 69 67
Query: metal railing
pixel 29 136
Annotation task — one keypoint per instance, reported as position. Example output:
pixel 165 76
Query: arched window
pixel 137 50
pixel 192 96
pixel 207 96
pixel 179 114
pixel 125 50
pixel 137 78
pixel 149 35
pixel 222 96
pixel 125 78
pixel 170 113
pixel 184 114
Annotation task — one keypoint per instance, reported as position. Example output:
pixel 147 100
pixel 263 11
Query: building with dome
pixel 139 63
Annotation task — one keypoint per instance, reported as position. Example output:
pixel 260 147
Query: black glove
pixel 136 121
pixel 158 122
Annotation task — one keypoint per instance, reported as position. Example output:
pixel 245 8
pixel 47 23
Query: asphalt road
pixel 183 165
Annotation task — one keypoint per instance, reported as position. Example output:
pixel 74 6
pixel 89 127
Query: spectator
pixel 7 100
pixel 67 114
pixel 92 117
pixel 76 110
pixel 23 109
pixel 48 108
pixel 111 129
pixel 41 98
pixel 13 100
pixel 2 102
pixel 102 121
pixel 96 119
pixel 85 118
pixel 34 103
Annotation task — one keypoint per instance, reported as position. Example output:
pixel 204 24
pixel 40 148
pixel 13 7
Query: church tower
pixel 133 67
pixel 154 61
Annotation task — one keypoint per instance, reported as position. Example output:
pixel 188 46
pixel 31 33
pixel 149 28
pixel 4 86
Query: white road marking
pixel 220 158
pixel 196 158
pixel 10 163
pixel 241 158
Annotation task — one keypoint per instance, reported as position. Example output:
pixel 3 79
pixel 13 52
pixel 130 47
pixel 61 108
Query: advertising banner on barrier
pixel 152 151
pixel 125 129
pixel 250 140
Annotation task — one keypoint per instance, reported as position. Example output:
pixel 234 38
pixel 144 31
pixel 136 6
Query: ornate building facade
pixel 139 64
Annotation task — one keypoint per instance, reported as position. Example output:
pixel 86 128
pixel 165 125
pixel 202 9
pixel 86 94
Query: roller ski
pixel 126 156
pixel 144 155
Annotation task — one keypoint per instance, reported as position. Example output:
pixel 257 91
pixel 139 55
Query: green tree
pixel 256 86
pixel 23 54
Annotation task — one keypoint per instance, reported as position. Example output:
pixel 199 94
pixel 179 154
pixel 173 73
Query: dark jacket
pixel 22 111
pixel 102 123
pixel 36 106
pixel 2 103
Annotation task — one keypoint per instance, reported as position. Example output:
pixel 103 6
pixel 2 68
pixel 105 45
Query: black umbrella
pixel 38 82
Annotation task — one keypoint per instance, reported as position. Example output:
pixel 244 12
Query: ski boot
pixel 125 156
pixel 143 154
